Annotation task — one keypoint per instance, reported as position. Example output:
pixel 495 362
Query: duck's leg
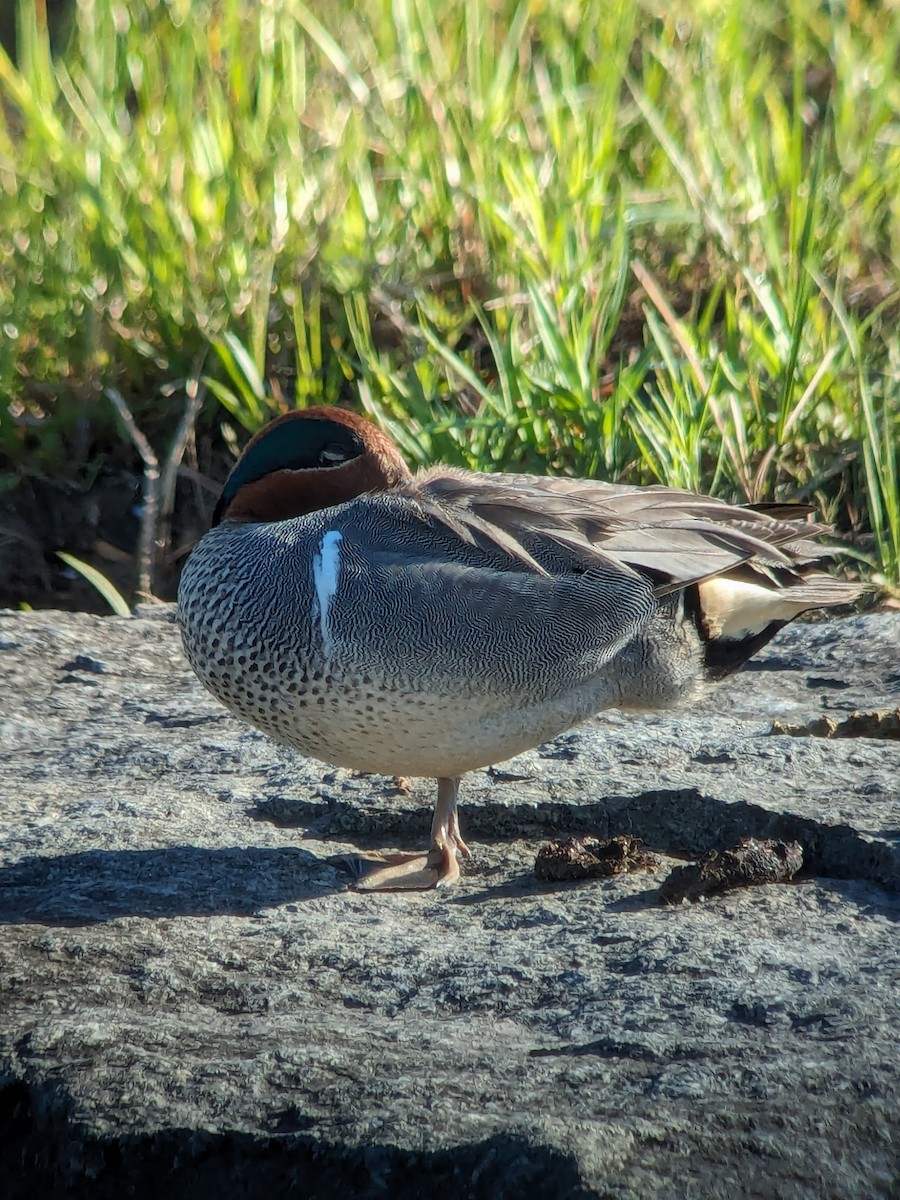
pixel 446 839
pixel 439 867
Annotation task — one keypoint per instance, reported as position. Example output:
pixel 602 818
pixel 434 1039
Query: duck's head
pixel 308 460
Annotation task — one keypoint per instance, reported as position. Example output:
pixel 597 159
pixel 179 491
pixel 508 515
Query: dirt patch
pixel 752 862
pixel 592 858
pixel 99 525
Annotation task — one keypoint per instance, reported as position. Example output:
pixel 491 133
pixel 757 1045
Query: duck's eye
pixel 332 454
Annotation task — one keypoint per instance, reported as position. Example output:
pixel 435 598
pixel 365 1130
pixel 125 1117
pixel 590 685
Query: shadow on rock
pixel 686 823
pixel 100 885
pixel 682 822
pixel 183 1163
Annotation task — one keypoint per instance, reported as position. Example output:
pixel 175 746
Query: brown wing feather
pixel 675 536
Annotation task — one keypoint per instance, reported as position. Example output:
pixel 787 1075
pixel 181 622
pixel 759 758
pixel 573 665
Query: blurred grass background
pixel 640 241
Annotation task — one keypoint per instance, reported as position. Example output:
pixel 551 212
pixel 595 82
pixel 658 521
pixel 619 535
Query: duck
pixel 434 623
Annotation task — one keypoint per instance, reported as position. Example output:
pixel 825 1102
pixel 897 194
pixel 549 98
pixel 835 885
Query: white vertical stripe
pixel 326 572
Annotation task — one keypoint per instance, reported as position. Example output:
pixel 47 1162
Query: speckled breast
pixel 283 624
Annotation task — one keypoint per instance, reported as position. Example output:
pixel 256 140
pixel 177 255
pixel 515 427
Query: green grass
pixel 552 236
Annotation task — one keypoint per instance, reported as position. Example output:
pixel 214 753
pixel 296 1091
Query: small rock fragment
pixel 880 723
pixel 84 662
pixel 591 858
pixel 752 861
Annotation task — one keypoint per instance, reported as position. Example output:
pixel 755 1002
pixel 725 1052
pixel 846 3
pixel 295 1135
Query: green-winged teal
pixel 433 623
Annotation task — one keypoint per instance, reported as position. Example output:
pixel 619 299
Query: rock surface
pixel 190 997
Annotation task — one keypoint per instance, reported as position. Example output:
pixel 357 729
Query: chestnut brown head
pixel 307 460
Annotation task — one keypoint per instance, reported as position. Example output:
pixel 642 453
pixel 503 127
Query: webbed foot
pixel 436 868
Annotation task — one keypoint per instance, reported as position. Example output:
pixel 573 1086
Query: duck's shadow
pixel 93 886
pixel 680 822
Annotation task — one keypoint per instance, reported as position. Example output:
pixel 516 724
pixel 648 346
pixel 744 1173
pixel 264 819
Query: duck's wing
pixel 677 537
pixel 743 571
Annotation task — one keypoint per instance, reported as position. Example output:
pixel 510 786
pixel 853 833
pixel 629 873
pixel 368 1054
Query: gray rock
pixel 191 998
